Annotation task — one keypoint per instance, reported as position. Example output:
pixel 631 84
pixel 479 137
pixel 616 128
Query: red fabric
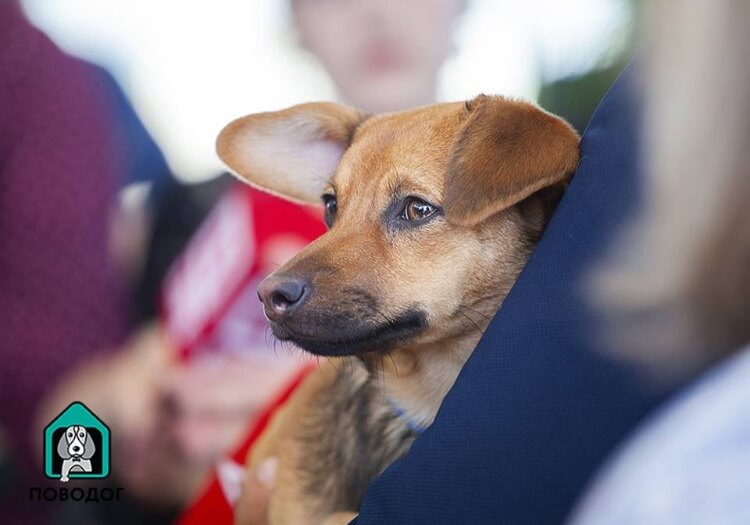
pixel 274 219
pixel 210 506
pixel 273 216
pixel 247 235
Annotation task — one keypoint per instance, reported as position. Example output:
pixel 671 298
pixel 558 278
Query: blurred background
pixel 108 115
pixel 190 67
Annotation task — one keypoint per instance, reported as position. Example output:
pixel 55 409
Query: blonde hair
pixel 681 274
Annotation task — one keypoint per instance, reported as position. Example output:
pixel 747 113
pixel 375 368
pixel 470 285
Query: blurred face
pixel 383 55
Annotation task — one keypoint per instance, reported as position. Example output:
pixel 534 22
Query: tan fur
pixel 538 150
pixel 258 147
pixel 483 163
pixel 275 442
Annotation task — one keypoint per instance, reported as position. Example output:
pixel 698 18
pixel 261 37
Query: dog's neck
pixel 418 378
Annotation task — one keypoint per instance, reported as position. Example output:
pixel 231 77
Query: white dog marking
pixel 76 448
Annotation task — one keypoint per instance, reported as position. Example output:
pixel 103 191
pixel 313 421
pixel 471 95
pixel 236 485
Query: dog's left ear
pixel 292 153
pixel 505 151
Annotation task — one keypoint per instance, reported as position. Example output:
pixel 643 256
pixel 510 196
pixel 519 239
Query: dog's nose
pixel 76 448
pixel 281 295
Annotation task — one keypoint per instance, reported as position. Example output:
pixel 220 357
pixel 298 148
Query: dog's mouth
pixel 360 339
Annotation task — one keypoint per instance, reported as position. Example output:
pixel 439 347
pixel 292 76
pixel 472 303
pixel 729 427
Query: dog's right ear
pixel 292 153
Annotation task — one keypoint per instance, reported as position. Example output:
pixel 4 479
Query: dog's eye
pixel 70 435
pixel 81 435
pixel 417 210
pixel 329 202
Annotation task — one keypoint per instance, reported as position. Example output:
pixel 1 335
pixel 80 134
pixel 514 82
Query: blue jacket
pixel 539 405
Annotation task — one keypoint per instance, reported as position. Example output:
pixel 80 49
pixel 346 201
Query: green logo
pixel 76 445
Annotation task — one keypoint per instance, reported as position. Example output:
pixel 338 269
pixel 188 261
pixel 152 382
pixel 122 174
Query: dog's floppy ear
pixel 505 151
pixel 89 448
pixel 292 153
pixel 62 446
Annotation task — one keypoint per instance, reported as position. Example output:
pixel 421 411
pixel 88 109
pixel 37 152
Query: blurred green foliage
pixel 575 97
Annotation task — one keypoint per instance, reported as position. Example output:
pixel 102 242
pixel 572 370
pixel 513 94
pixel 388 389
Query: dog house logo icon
pixel 76 445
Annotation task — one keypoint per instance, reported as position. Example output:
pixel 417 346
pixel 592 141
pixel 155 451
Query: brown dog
pixel 432 214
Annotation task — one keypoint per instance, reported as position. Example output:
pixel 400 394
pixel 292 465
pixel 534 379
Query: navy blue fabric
pixel 142 159
pixel 538 406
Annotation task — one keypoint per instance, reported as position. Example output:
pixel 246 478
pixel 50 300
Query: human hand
pixel 212 400
pixel 252 507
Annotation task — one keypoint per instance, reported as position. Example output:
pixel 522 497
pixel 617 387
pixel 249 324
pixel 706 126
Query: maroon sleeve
pixel 60 300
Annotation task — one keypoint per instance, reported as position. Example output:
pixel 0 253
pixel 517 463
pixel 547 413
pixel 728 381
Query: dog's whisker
pixel 471 321
pixel 475 310
pixel 331 364
pixel 492 299
pixel 387 319
pixel 395 367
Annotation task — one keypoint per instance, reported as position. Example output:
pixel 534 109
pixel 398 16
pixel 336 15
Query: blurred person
pixel 383 55
pixel 69 140
pixel 61 300
pixel 198 408
pixel 682 275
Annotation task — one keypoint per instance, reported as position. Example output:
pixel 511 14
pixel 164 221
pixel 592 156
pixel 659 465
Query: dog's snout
pixel 282 295
pixel 76 448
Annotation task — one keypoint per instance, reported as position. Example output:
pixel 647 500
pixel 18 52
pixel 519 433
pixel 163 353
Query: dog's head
pixel 76 443
pixel 431 212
